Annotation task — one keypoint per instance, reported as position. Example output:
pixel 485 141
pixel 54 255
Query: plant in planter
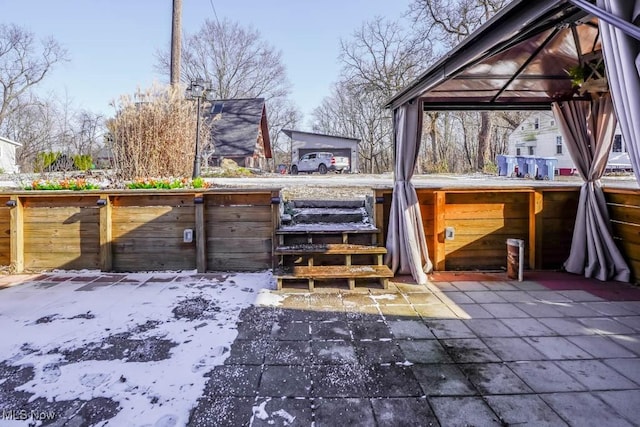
pixel 590 76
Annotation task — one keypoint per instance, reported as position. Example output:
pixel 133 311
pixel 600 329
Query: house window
pixel 531 151
pixel 558 144
pixel 217 108
pixel 617 144
pixel 518 153
pixel 536 123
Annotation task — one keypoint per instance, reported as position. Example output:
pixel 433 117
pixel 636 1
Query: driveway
pixel 215 350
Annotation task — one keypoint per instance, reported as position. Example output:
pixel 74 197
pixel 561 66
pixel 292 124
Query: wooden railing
pixel 138 230
pixel 483 219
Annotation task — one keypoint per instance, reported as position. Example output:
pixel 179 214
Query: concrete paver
pixel 473 352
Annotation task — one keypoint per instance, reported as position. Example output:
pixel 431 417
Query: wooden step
pixel 330 249
pixel 327 229
pixel 351 273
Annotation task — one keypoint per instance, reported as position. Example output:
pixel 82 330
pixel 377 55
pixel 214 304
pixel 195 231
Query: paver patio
pixel 471 349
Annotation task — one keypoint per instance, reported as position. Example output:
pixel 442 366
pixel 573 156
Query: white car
pixel 320 161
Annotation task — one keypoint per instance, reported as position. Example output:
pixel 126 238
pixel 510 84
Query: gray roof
pixel 291 132
pixel 236 126
pixel 10 141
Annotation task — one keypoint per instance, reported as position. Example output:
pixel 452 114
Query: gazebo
pixel 520 60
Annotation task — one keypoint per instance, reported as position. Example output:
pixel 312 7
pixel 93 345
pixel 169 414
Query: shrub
pixel 82 162
pixel 44 160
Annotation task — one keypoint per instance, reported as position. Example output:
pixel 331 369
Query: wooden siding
pixel 624 209
pixel 556 231
pixel 61 232
pixel 147 233
pixel 483 220
pixel 239 231
pixel 138 230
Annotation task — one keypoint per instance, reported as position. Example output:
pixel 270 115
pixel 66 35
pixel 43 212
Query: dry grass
pixel 155 138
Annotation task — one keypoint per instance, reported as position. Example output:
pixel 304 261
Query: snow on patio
pixel 132 349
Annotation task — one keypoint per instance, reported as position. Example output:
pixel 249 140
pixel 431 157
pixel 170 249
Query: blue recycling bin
pixel 506 164
pixel 546 167
pixel 531 168
pixel 522 165
pixel 526 166
pixel 501 161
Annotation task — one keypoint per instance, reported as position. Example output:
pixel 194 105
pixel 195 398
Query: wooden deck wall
pixel 240 231
pixel 483 219
pixel 233 230
pixel 138 231
pixel 624 209
pixel 5 232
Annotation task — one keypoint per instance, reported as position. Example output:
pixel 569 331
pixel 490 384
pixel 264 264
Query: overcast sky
pixel 112 43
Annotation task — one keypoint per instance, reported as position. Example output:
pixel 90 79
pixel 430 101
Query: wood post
pixel 201 234
pixel 106 252
pixel 536 203
pixel 17 235
pixel 439 249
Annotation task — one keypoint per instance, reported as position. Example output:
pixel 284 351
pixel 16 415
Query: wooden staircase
pixel 329 242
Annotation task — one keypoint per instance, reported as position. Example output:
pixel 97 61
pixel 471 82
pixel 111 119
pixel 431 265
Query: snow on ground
pixel 139 340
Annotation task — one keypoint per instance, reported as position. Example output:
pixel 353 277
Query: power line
pixel 214 12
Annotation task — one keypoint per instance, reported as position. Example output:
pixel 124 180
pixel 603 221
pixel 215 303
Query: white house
pixel 540 136
pixel 8 155
pixel 307 142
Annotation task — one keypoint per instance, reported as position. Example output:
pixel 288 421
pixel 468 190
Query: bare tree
pixel 33 123
pixel 358 114
pixel 239 64
pixel 88 129
pixel 378 60
pixel 381 56
pixel 451 21
pixel 23 64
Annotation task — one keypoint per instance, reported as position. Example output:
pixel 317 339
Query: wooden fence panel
pixel 148 233
pixel 239 229
pixel 61 232
pixel 483 221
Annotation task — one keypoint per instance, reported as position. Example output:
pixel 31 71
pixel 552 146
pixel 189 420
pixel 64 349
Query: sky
pixel 112 44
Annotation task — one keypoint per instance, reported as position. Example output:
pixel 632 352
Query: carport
pixel 519 60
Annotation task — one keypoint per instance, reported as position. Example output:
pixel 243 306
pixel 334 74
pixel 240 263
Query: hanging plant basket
pixel 589 76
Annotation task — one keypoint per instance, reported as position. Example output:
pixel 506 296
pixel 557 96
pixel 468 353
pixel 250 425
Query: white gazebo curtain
pixel 588 128
pixel 406 244
pixel 622 58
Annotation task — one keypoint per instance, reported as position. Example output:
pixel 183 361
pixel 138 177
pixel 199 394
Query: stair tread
pixel 329 249
pixel 327 228
pixel 336 272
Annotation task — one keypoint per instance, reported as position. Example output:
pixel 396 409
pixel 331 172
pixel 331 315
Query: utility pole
pixel 176 31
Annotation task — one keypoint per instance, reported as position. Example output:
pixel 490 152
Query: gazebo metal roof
pixel 517 60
